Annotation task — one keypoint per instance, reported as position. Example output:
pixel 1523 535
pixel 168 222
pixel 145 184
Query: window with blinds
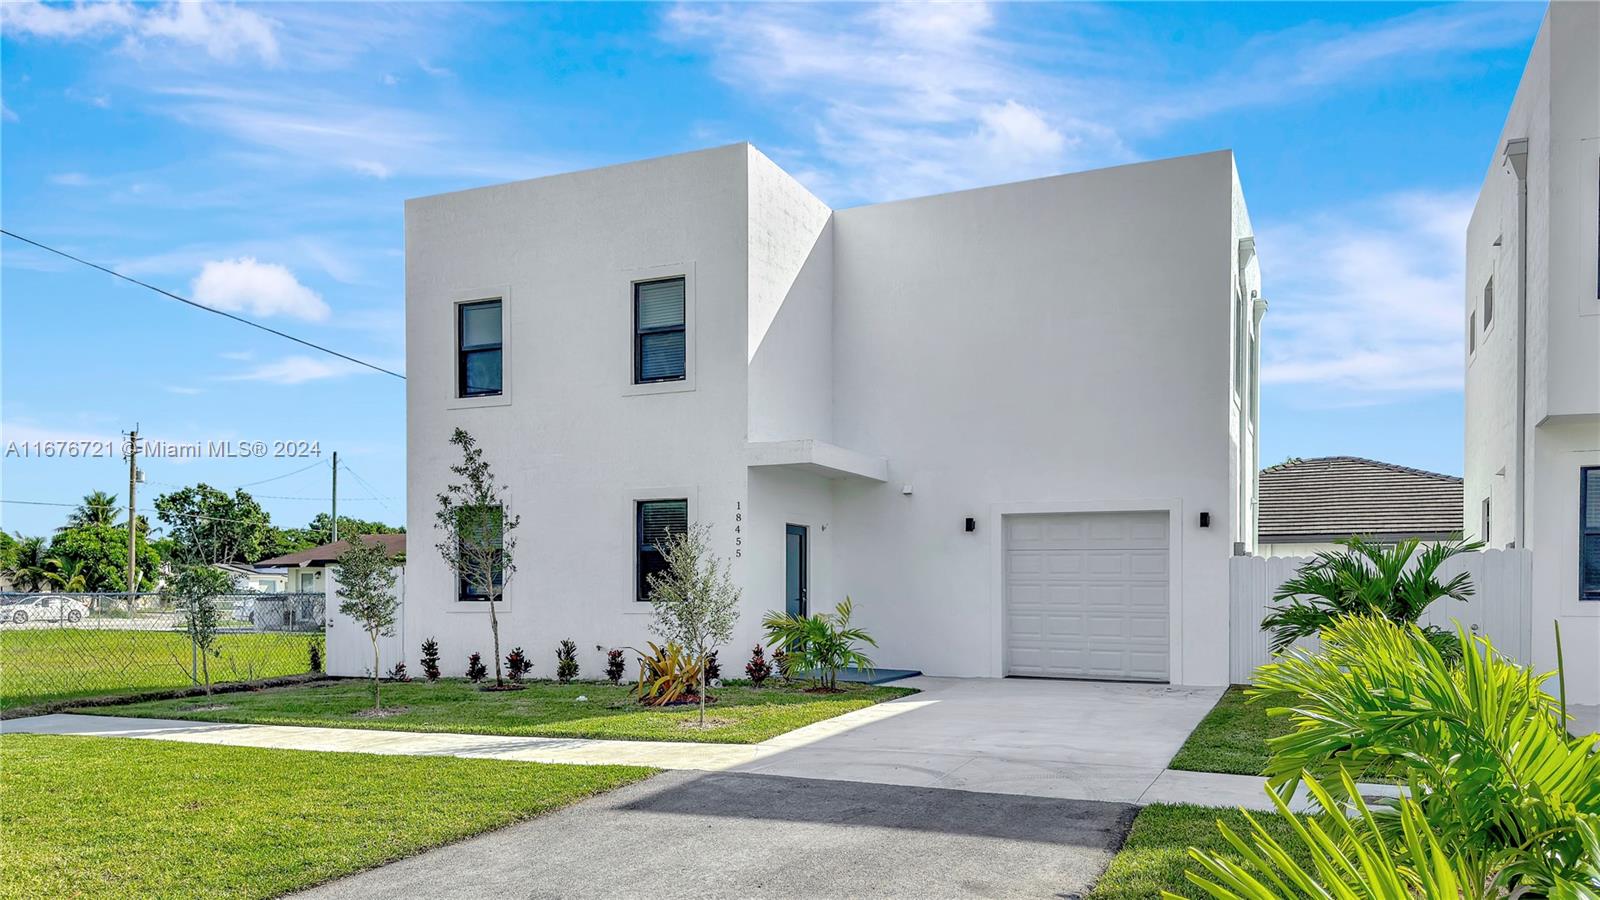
pixel 654 520
pixel 478 349
pixel 659 332
pixel 1589 534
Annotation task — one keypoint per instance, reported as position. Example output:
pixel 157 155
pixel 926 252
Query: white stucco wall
pixel 1557 109
pixel 1061 344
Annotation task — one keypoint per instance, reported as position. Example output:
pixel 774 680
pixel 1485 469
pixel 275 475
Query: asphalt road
pixel 695 834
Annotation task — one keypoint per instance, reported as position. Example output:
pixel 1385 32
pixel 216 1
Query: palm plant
pixel 821 644
pixel 71 576
pixel 31 566
pixel 1350 857
pixel 1483 750
pixel 98 508
pixel 1367 578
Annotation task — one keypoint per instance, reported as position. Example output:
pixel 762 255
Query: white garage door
pixel 1086 595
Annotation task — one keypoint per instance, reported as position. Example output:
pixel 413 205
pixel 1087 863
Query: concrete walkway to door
pixel 1075 740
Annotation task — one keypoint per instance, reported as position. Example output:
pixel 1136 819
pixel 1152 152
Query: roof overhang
pixel 816 458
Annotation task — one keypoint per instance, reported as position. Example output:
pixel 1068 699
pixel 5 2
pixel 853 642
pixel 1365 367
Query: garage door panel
pixel 1087 595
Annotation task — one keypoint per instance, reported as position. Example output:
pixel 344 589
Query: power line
pixel 371 491
pixel 223 313
pixel 284 475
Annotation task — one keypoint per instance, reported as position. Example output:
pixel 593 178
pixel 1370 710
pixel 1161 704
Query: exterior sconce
pixel 971 524
pixel 1205 520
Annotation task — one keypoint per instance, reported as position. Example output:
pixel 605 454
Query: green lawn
pixel 108 817
pixel 46 664
pixel 1232 738
pixel 740 715
pixel 1156 853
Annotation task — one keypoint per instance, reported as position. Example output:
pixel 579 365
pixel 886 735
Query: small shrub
pixel 713 668
pixel 398 673
pixel 780 661
pixel 476 670
pixel 430 659
pixel 566 662
pixel 315 661
pixel 667 675
pixel 517 664
pixel 615 666
pixel 758 669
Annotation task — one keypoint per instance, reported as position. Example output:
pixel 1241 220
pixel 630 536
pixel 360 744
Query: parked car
pixel 49 608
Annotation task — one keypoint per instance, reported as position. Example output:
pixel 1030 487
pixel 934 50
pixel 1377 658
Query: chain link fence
pixel 65 646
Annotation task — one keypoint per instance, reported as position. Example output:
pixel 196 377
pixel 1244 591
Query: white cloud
pixel 70 179
pixel 263 289
pixel 296 370
pixel 1366 301
pixel 906 99
pixel 225 31
pixel 6 113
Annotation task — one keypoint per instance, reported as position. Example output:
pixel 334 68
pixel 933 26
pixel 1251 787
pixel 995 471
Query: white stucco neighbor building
pixel 1532 316
pixel 1015 424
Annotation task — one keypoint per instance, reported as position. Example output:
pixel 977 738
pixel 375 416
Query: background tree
pixel 194 594
pixel 97 508
pixel 1366 578
pixel 207 525
pixel 693 601
pixel 478 532
pixel 102 552
pixel 30 564
pixel 366 578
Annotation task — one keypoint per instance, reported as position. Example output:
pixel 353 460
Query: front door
pixel 794 570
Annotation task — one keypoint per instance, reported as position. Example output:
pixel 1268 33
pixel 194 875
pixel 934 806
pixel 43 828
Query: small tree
pixel 478 527
pixel 366 579
pixel 615 666
pixel 566 661
pixel 194 592
pixel 430 659
pixel 694 601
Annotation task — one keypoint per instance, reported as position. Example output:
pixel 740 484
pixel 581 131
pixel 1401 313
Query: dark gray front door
pixel 794 570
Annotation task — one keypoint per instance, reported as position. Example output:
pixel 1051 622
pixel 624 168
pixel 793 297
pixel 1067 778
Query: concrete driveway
pixel 717 834
pixel 1090 740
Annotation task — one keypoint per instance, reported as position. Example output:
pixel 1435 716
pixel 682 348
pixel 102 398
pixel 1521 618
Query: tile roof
pixel 393 545
pixel 1337 496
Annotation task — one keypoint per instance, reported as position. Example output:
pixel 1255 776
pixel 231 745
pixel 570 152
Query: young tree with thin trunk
pixel 694 601
pixel 478 532
pixel 194 593
pixel 366 577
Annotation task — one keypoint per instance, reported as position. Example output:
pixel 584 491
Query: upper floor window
pixel 478 348
pixel 654 521
pixel 1484 534
pixel 659 331
pixel 1488 303
pixel 1472 332
pixel 1589 534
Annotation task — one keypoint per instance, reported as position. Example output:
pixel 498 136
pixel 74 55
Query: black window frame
pixel 639 333
pixel 463 352
pixel 1586 532
pixel 643 550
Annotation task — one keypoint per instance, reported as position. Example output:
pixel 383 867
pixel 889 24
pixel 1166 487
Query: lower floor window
pixel 1589 534
pixel 654 520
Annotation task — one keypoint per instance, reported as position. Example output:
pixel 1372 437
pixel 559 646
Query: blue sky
pixel 256 156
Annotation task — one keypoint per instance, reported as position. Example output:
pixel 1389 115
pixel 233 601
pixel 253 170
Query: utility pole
pixel 133 517
pixel 336 495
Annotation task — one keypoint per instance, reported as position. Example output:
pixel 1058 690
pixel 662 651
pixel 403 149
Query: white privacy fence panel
pixel 1502 580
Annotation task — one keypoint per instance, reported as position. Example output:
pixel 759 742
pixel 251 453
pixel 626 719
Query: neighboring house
pixel 1308 505
pixel 261 581
pixel 305 571
pixel 1532 320
pixel 1015 424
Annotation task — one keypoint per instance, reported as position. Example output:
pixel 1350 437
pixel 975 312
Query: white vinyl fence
pixel 1498 610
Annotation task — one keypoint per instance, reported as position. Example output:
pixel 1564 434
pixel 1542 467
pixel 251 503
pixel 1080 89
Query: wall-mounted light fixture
pixel 905 489
pixel 971 524
pixel 1205 520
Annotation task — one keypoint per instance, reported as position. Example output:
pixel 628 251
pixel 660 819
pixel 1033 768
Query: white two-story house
pixel 1015 424
pixel 1532 320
